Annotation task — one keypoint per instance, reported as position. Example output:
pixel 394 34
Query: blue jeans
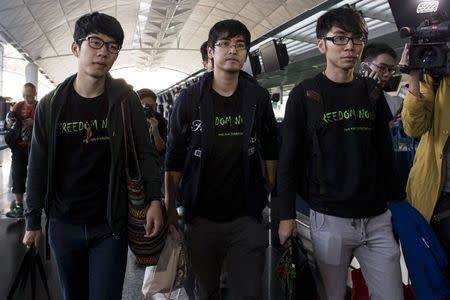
pixel 91 261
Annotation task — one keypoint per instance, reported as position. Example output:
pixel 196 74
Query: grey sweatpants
pixel 335 240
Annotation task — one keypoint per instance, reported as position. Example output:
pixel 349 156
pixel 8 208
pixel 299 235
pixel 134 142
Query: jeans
pixel 19 163
pixel 91 261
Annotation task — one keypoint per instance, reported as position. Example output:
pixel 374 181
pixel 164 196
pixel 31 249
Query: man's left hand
pixel 153 123
pixel 154 219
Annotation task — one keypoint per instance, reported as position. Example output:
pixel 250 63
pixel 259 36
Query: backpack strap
pixel 314 116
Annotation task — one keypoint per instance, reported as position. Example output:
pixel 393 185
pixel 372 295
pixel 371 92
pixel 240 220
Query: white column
pixel 2 51
pixel 31 74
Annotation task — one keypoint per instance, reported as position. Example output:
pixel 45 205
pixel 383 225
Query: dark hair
pixel 98 23
pixel 204 51
pixel 146 93
pixel 372 50
pixel 227 29
pixel 30 85
pixel 346 18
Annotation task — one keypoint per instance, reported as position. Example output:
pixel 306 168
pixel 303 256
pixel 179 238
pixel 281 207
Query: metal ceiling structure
pixel 298 34
pixel 301 42
pixel 158 33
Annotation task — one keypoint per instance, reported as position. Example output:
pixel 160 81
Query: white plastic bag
pixel 171 270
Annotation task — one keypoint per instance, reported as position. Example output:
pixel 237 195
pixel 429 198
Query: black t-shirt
pixel 83 159
pixel 352 173
pixel 222 190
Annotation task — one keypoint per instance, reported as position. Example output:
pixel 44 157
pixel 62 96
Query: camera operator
pixel 426 114
pixel 157 123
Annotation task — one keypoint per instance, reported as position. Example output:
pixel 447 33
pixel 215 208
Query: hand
pixel 28 122
pixel 153 123
pixel 404 60
pixel 32 237
pixel 286 229
pixel 154 219
pixel 370 73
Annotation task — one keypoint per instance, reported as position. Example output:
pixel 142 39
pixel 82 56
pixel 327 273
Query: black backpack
pixel 314 122
pixel 13 133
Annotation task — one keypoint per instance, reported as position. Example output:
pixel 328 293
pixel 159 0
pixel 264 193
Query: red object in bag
pixel 361 292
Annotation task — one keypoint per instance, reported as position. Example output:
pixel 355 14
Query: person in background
pixel 425 115
pixel 207 62
pixel 347 163
pixel 24 112
pixel 76 169
pixel 221 129
pixel 379 61
pixel 157 123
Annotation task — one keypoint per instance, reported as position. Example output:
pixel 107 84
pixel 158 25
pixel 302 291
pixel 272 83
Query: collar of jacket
pixel 248 93
pixel 114 88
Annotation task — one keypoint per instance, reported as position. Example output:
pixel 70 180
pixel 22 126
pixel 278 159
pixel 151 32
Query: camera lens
pixel 429 56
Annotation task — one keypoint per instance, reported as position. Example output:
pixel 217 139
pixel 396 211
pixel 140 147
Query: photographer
pixel 426 114
pixel 378 61
pixel 157 123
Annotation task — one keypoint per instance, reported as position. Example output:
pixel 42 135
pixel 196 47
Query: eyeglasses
pixel 97 43
pixel 384 69
pixel 239 46
pixel 343 40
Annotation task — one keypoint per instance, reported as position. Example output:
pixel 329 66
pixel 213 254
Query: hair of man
pixel 372 50
pixel 346 18
pixel 228 29
pixel 146 93
pixel 98 23
pixel 31 86
pixel 204 51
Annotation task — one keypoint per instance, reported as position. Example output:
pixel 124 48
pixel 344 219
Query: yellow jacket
pixel 427 117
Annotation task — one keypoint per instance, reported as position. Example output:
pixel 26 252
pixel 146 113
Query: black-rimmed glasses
pixel 97 43
pixel 343 40
pixel 239 46
pixel 386 69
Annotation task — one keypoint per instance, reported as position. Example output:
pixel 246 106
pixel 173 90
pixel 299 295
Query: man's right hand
pixel 32 237
pixel 286 229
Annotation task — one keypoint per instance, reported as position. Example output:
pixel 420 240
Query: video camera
pixel 428 25
pixel 149 112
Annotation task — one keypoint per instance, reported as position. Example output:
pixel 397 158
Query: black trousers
pixel 19 164
pixel 242 242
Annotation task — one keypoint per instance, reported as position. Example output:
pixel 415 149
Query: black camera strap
pixel 436 82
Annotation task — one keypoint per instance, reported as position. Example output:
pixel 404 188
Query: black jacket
pixel 192 131
pixel 41 168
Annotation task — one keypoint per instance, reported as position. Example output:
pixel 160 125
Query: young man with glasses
pixel 379 61
pixel 346 159
pixel 221 129
pixel 76 167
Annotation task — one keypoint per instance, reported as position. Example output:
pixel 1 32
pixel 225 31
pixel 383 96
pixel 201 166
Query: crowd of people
pixel 218 157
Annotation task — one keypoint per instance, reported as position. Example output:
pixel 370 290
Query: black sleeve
pixel 268 132
pixel 385 150
pixel 293 139
pixel 146 151
pixel 177 139
pixel 38 165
